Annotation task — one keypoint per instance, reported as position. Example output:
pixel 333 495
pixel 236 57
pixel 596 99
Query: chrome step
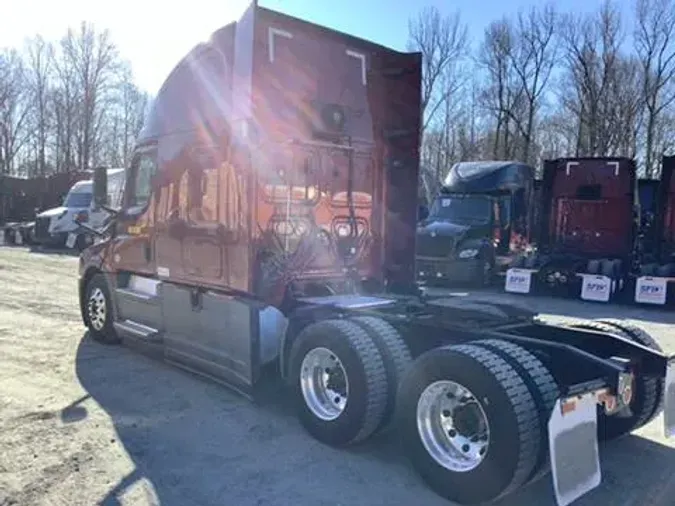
pixel 137 330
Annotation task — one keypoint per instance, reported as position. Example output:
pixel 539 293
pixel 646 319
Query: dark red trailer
pixel 656 272
pixel 586 229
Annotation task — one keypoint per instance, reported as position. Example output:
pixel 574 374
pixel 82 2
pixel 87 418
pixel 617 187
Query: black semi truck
pixel 477 225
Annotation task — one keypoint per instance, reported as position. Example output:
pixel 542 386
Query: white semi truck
pixel 60 226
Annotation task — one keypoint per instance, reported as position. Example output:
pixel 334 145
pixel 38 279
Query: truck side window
pixel 144 170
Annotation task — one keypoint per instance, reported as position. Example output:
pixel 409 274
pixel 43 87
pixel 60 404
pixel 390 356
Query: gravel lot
pixel 85 424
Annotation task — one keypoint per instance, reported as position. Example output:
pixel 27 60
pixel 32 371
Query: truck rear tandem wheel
pixel 339 382
pixel 647 392
pixel 469 423
pixel 476 418
pixel 541 385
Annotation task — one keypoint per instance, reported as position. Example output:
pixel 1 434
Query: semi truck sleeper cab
pixel 268 225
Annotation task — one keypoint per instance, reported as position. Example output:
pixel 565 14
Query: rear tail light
pixel 82 217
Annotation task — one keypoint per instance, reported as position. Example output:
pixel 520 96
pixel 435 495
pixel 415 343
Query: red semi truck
pixel 657 259
pixel 586 230
pixel 268 227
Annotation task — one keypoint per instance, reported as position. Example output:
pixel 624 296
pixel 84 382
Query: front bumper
pixel 435 270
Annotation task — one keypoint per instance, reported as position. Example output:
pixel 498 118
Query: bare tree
pixel 125 119
pixel 443 43
pixel 92 59
pixel 67 107
pixel 532 58
pixel 502 91
pixel 592 52
pixel 655 47
pixel 39 64
pixel 13 109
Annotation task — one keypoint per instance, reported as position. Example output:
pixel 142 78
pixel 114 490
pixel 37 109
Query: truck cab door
pixel 203 234
pixel 133 243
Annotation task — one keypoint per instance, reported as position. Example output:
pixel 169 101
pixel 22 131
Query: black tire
pixel 666 271
pixel 394 351
pixel 608 268
pixel 531 262
pixel 542 386
pixel 104 333
pixel 518 262
pixel 364 367
pixel 643 337
pixel 648 269
pixel 515 431
pixel 593 266
pixel 643 404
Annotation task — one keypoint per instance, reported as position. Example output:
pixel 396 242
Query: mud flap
pixel 573 443
pixel 669 401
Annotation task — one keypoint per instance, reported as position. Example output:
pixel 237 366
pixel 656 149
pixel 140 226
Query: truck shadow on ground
pixel 198 443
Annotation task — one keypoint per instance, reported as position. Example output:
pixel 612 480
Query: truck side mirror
pixel 100 187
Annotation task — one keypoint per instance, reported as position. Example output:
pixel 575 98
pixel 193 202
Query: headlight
pixel 468 253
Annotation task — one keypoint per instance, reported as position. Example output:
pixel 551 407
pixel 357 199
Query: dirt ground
pixel 84 424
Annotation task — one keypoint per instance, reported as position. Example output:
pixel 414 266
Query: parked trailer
pixel 477 225
pixel 20 198
pixel 210 268
pixel 586 237
pixel 656 272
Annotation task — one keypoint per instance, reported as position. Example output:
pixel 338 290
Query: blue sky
pixel 154 35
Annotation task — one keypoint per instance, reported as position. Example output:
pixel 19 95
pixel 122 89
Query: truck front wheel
pixel 98 311
pixel 468 423
pixel 339 381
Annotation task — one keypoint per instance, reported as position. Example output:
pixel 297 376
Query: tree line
pixel 538 84
pixel 542 84
pixel 67 105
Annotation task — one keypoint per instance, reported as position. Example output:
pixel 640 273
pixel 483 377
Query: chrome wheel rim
pixel 324 384
pixel 97 309
pixel 453 426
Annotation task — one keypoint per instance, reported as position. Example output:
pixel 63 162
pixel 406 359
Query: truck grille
pixel 438 246
pixel 42 228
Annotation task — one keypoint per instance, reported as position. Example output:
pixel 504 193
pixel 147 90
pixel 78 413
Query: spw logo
pixel 650 289
pixel 517 279
pixel 596 287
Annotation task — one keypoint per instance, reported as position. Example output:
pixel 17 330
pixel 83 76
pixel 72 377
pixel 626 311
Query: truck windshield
pixel 78 199
pixel 461 209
